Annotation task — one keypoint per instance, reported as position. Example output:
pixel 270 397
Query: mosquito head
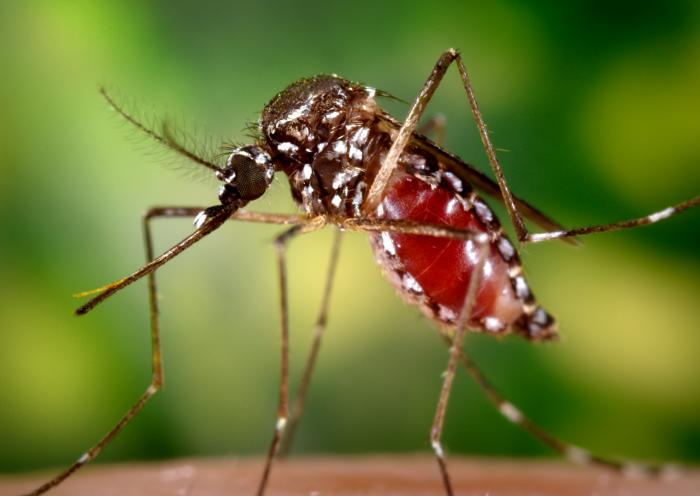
pixel 247 175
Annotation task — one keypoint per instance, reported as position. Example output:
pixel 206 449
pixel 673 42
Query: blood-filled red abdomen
pixel 434 272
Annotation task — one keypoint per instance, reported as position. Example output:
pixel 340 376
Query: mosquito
pixel 352 166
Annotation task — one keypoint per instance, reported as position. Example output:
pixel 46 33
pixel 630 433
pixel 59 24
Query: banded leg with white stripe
pixel 156 359
pixel 514 415
pixel 524 236
pixel 281 243
pixel 319 330
pixel 436 431
pixel 149 270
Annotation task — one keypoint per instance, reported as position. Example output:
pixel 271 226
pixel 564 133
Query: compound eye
pixel 252 170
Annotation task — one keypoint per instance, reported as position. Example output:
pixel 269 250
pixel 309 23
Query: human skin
pixel 367 475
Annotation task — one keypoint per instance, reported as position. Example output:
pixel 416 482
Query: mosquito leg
pixel 156 359
pixel 281 242
pixel 403 136
pixel 156 383
pixel 319 329
pixel 279 219
pixel 438 421
pixel 242 215
pixel 616 226
pixel 436 124
pixel 406 227
pixel 514 415
pixel 524 236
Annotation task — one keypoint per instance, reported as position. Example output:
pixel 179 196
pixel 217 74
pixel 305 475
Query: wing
pixel 478 179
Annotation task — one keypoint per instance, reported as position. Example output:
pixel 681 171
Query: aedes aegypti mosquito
pixel 353 166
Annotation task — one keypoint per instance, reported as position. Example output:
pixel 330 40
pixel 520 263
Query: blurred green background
pixel 597 108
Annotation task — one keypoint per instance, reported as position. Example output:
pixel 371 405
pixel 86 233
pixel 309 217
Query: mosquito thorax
pixel 248 174
pixel 318 131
